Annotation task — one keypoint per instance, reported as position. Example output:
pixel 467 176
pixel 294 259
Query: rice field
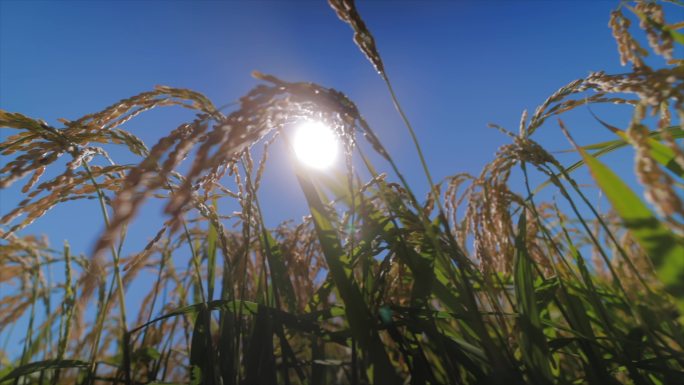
pixel 479 282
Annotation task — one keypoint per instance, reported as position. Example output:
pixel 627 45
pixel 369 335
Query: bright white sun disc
pixel 315 145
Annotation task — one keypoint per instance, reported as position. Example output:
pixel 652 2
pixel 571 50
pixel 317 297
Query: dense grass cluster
pixel 476 284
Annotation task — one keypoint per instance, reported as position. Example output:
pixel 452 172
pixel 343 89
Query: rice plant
pixel 480 282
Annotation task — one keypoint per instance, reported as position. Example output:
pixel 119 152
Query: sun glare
pixel 316 145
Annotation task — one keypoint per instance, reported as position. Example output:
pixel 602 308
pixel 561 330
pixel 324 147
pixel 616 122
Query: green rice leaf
pixel 43 365
pixel 201 351
pixel 665 249
pixel 534 347
pixel 280 276
pixel 357 312
pixel 260 365
pixel 660 152
pixel 212 237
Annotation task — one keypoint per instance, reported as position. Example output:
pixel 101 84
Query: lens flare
pixel 316 145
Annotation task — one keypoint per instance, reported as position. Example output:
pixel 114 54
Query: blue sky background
pixel 456 66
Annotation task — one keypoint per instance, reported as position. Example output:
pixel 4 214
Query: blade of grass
pixel 358 315
pixel 43 365
pixel 534 347
pixel 212 237
pixel 201 349
pixel 660 153
pixel 663 247
pixel 260 366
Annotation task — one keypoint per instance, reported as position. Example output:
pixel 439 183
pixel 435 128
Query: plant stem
pixel 117 278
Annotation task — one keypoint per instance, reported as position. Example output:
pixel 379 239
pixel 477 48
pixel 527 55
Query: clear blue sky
pixel 456 66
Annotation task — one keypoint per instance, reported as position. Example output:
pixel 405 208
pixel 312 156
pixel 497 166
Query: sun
pixel 316 145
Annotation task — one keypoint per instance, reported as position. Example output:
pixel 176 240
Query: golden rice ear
pixel 658 185
pixel 264 109
pixel 346 11
pixel 629 48
pixel 652 21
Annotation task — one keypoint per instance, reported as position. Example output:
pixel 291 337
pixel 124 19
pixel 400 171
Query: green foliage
pixel 663 247
pixel 374 286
